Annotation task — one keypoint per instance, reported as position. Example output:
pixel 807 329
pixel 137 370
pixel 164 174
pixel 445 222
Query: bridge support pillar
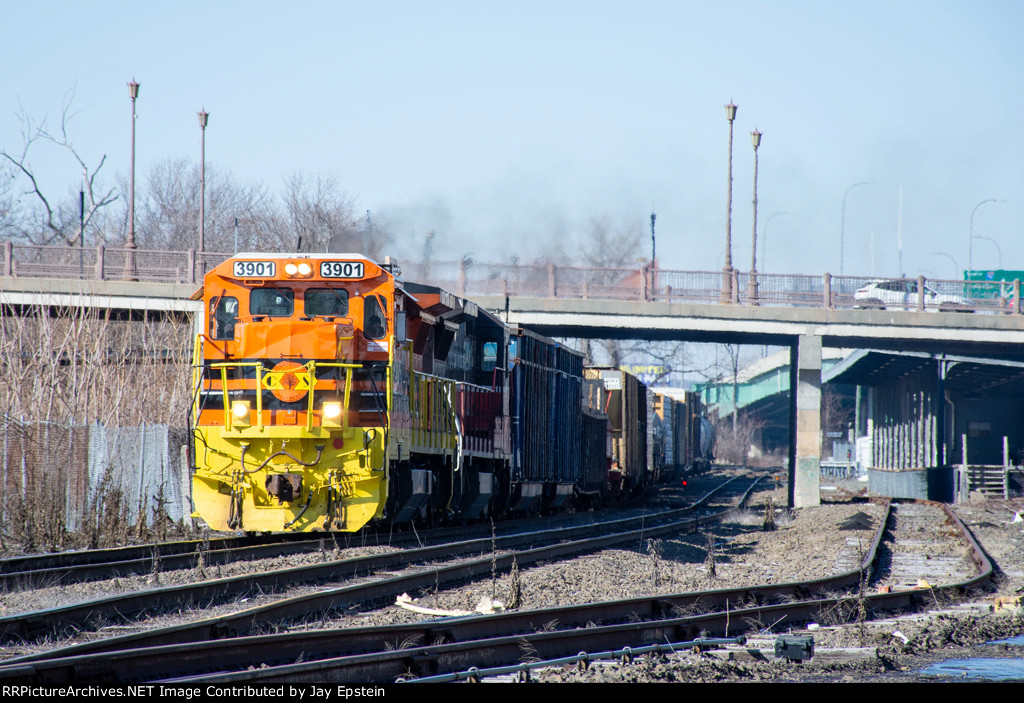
pixel 805 422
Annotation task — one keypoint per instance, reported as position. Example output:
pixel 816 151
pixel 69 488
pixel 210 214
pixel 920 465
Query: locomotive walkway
pixel 802 312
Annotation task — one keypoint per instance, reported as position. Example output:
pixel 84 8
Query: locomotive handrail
pixel 223 367
pixel 310 368
pixel 349 367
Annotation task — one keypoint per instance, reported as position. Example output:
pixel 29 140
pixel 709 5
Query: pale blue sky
pixel 505 126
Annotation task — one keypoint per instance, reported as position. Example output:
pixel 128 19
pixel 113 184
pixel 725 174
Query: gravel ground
pixel 744 555
pixel 808 543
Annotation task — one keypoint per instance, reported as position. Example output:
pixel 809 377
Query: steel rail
pixel 465 658
pixel 137 664
pixel 167 662
pixel 79 566
pixel 445 654
pixel 90 565
pixel 79 573
pixel 27 626
pixel 242 622
pixel 65 560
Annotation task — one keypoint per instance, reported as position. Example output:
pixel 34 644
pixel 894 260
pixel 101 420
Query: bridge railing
pixel 105 263
pixel 544 279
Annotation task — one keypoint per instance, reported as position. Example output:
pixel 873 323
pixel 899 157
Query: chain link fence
pixel 60 479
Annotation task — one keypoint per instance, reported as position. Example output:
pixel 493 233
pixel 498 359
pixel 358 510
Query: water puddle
pixel 982 668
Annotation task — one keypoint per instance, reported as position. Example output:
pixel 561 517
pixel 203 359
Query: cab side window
pixel 489 358
pixel 224 317
pixel 374 324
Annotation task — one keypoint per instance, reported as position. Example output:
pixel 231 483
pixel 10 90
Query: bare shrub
pixel 515 588
pixel 734 440
pixel 61 370
pixel 711 563
pixel 769 517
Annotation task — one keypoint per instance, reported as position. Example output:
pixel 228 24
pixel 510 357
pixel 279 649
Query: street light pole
pixel 842 224
pixel 999 249
pixel 130 246
pixel 204 118
pixel 956 268
pixel 653 250
pixel 730 114
pixel 755 139
pixel 970 242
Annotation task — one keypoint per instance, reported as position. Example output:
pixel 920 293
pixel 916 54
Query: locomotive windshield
pixel 273 302
pixel 326 302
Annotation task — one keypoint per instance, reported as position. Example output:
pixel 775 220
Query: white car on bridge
pixel 901 294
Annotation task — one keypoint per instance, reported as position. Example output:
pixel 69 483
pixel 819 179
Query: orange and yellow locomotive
pixel 291 371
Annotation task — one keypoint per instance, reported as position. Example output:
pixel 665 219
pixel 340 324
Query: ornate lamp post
pixel 755 139
pixel 129 259
pixel 204 118
pixel 730 114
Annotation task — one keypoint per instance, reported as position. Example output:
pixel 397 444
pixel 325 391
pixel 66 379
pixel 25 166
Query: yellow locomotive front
pixel 292 382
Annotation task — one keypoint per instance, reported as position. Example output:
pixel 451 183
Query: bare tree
pixel 836 409
pixel 167 213
pixel 8 207
pixel 47 219
pixel 608 243
pixel 321 214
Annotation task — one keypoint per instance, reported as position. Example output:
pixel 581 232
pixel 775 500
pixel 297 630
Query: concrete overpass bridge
pixel 805 313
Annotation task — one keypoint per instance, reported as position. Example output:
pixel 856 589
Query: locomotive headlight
pixel 331 414
pixel 303 269
pixel 240 412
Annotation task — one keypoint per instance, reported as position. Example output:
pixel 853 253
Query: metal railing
pixel 547 280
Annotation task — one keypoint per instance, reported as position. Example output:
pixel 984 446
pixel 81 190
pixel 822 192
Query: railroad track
pixel 80 566
pixel 386 653
pixel 87 615
pixel 918 549
pixel 96 657
pixel 469 659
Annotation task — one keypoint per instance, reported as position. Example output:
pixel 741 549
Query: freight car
pixel 329 393
pixel 688 435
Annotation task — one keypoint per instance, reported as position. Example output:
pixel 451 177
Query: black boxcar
pixel 544 407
